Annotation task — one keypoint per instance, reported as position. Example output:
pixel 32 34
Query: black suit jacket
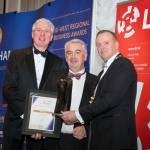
pixel 87 93
pixel 113 110
pixel 20 76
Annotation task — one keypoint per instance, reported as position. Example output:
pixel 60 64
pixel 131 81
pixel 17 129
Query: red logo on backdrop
pixel 126 24
pixel 133 32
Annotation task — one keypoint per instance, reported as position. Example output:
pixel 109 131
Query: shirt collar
pixel 109 62
pixel 81 71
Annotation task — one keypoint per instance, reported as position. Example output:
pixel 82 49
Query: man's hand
pixel 37 136
pixel 69 117
pixel 79 132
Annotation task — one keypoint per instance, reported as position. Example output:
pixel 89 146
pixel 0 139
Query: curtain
pixel 106 14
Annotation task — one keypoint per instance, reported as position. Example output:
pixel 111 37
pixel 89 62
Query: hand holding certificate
pixel 43 109
pixel 38 118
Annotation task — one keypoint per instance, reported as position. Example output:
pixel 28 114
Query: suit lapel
pixel 84 101
pixel 63 73
pixel 97 80
pixel 102 82
pixel 47 68
pixel 31 66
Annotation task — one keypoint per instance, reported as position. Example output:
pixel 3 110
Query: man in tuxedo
pixel 27 68
pixel 74 137
pixel 113 108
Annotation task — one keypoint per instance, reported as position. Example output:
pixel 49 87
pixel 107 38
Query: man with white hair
pixel 27 68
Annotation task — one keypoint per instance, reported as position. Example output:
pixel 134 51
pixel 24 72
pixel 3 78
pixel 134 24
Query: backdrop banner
pixel 72 19
pixel 133 32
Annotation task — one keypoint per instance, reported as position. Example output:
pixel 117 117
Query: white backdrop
pixel 104 17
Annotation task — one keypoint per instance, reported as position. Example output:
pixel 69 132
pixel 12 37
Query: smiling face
pixel 107 46
pixel 75 57
pixel 41 39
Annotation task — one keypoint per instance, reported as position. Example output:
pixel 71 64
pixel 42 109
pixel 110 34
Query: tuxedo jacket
pixel 113 110
pixel 20 76
pixel 87 93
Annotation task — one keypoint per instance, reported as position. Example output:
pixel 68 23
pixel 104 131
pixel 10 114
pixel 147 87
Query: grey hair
pixel 75 41
pixel 46 21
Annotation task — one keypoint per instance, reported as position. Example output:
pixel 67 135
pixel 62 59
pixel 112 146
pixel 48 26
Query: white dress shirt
pixel 77 90
pixel 109 62
pixel 39 61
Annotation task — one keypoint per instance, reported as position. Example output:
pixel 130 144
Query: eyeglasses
pixel 40 30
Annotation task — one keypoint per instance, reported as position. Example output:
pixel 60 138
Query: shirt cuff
pixel 79 117
pixel 22 116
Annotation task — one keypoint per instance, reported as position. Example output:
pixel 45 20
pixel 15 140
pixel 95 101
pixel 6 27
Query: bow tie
pixel 77 76
pixel 44 54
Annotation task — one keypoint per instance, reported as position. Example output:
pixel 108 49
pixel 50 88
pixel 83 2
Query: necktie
pixel 77 76
pixel 104 65
pixel 44 54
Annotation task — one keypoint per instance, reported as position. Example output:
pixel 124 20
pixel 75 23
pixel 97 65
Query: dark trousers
pixel 10 143
pixel 68 142
pixel 32 144
pixel 43 144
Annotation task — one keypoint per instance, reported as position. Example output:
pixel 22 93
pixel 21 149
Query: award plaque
pixel 38 118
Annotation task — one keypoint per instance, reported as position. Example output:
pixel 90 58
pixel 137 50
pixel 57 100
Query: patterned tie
pixel 104 65
pixel 77 76
pixel 44 54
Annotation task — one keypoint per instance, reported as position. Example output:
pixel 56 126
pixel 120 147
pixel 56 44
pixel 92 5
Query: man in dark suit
pixel 74 137
pixel 113 108
pixel 27 68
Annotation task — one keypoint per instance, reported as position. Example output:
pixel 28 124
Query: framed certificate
pixel 38 118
